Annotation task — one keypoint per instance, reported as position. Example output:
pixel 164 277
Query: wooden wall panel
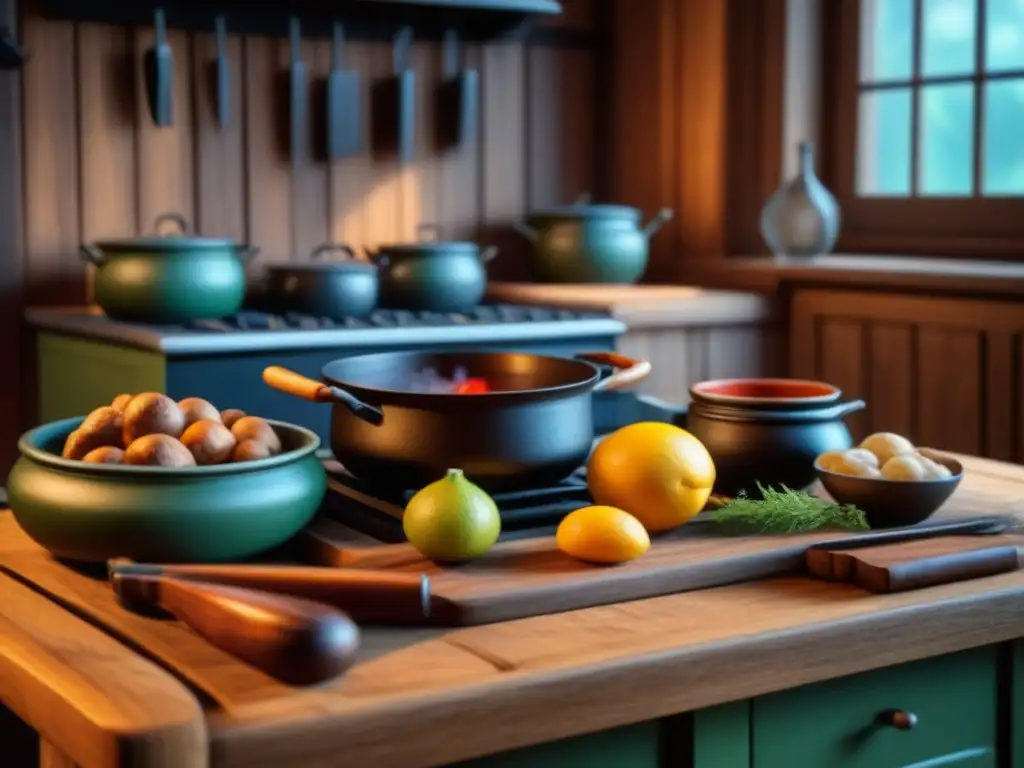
pixel 96 165
pixel 948 373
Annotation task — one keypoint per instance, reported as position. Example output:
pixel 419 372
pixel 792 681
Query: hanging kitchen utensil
pixel 344 103
pixel 299 642
pixel 394 104
pixel 222 76
pixel 158 68
pixel 299 93
pixel 364 595
pixel 457 97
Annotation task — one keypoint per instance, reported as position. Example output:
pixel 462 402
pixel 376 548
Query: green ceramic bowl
pixel 93 512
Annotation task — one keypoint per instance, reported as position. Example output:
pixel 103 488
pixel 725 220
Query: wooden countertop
pixel 645 306
pixel 970 277
pixel 435 696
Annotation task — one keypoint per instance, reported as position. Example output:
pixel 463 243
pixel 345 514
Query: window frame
pixel 978 227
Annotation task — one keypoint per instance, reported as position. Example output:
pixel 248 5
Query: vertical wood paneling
pixel 459 207
pixel 890 392
pixel 310 201
pixel 268 191
pixel 51 161
pixel 503 173
pixel 945 372
pixel 219 150
pixel 165 157
pixel 842 364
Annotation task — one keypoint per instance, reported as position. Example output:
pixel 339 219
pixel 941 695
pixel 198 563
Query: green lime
pixel 452 519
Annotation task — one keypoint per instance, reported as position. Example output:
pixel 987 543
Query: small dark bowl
pixel 894 503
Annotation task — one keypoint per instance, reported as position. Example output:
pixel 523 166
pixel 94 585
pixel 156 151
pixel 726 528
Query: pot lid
pixel 172 244
pixel 430 247
pixel 343 265
pixel 585 211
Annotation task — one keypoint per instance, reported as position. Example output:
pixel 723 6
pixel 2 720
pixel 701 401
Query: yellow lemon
pixel 659 473
pixel 602 535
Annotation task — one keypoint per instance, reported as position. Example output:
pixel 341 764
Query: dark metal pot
pixel 583 243
pixel 433 275
pixel 169 278
pixel 766 431
pixel 535 427
pixel 336 289
pixel 226 512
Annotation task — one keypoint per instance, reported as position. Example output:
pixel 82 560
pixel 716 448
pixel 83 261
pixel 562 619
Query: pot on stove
pixel 321 287
pixel 521 419
pixel 432 275
pixel 170 277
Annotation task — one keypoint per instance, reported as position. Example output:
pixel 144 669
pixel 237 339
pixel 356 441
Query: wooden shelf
pixel 364 19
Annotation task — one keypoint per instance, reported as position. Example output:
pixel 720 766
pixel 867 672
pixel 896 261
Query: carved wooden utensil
pixel 368 596
pixel 916 564
pixel 299 642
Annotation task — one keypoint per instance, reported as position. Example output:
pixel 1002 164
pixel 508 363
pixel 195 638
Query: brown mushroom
pixel 230 416
pixel 255 428
pixel 209 442
pixel 197 409
pixel 107 454
pixel 120 402
pixel 250 450
pixel 152 413
pixel 158 450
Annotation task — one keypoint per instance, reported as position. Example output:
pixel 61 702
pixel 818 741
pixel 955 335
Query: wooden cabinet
pixel 843 722
pixel 947 372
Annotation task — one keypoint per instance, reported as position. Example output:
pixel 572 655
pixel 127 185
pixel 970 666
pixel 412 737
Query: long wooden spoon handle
pixel 297 641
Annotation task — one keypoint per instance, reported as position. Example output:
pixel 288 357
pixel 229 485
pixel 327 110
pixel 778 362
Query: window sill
pixel 764 274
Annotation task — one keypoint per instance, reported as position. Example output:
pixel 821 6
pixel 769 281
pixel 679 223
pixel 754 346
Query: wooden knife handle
pixel 296 641
pixel 365 595
pixel 939 569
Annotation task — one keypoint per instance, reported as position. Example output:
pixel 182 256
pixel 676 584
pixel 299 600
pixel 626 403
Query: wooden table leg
pixel 51 757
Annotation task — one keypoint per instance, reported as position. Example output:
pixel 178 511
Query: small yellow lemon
pixel 659 473
pixel 602 535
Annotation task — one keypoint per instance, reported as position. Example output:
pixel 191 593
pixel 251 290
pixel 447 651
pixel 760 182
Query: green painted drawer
pixel 831 724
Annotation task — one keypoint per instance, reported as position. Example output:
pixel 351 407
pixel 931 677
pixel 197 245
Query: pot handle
pixel 247 253
pixel 91 254
pixel 297 385
pixel 842 410
pixel 487 254
pixel 525 230
pixel 179 222
pixel 656 223
pixel 318 253
pixel 629 371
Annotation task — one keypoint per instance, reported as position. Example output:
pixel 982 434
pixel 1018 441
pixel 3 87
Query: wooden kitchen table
pixel 785 672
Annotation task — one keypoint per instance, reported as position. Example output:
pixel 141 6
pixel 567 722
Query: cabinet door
pixel 841 723
pixel 948 373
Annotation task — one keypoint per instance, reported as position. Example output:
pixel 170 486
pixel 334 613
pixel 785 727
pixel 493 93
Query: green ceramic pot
pixel 583 243
pixel 168 279
pixel 229 512
pixel 432 275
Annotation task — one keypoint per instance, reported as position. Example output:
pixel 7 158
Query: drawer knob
pixel 898 719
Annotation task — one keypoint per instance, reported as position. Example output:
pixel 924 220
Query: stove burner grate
pixel 525 513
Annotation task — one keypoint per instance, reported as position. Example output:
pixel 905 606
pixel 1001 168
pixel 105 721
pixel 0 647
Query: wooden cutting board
pixel 532 577
pixel 917 564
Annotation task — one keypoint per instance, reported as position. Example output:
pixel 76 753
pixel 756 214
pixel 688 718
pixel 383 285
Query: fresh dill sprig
pixel 786 511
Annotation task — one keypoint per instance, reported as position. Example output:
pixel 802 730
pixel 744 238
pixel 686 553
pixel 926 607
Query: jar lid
pixel 172 244
pixel 430 248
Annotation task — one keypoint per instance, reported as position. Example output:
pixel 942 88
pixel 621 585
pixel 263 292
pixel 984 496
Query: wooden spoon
pixel 299 642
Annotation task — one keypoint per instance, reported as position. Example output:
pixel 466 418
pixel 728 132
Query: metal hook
pixel 160 25
pixel 295 33
pixel 338 47
pixel 403 41
pixel 450 53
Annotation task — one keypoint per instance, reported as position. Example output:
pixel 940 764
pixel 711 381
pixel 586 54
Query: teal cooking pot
pixel 171 278
pixel 584 243
pixel 226 512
